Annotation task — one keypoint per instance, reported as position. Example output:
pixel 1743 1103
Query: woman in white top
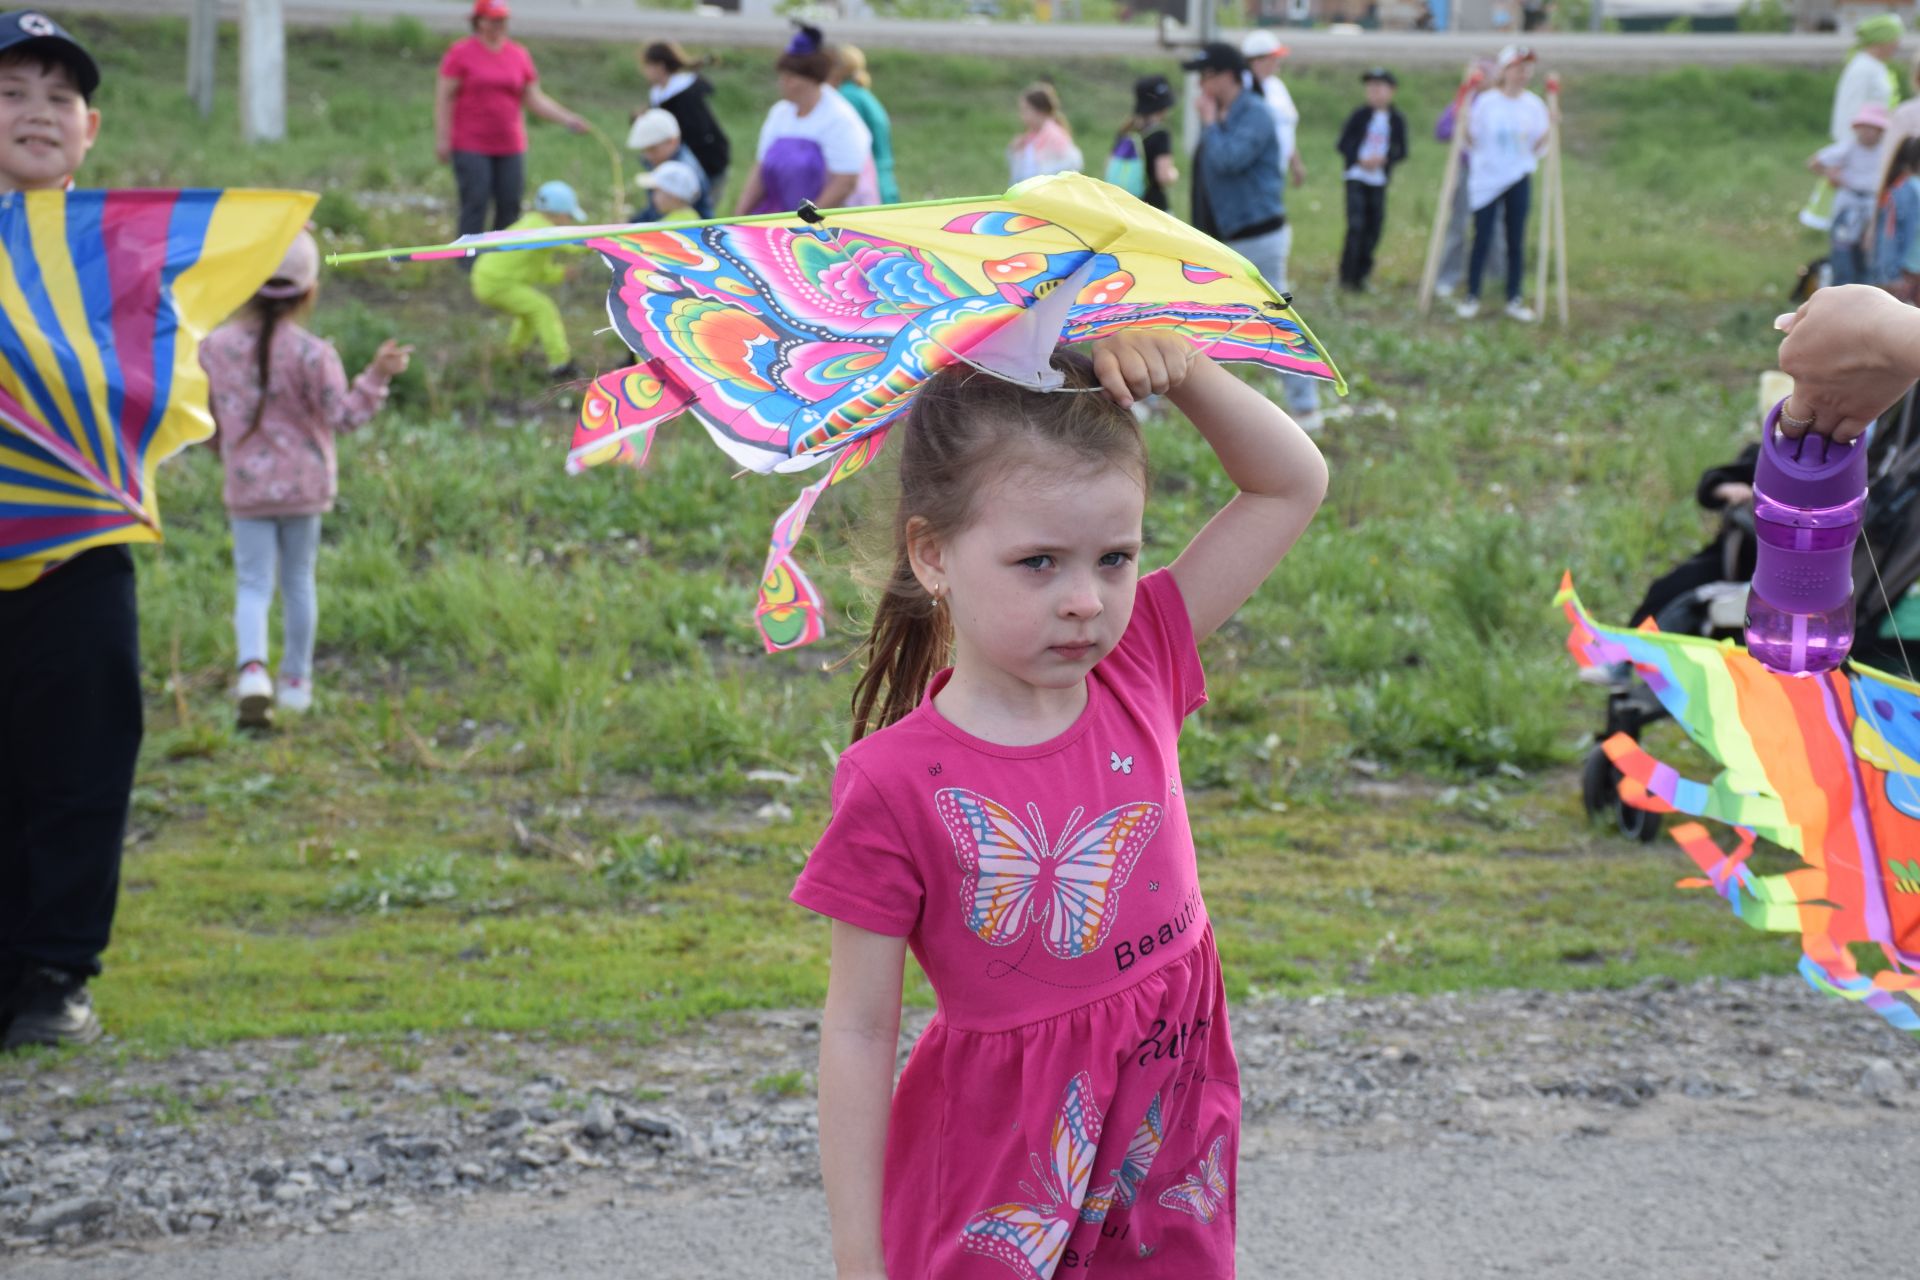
pixel 1867 77
pixel 813 145
pixel 1047 145
pixel 1506 132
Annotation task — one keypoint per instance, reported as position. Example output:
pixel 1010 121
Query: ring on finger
pixel 1796 425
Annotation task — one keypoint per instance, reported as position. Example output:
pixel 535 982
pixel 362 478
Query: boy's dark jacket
pixel 1354 132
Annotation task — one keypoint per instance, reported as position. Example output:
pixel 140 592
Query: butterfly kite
pixel 1011 876
pixel 104 296
pixel 797 340
pixel 1827 766
pixel 1030 1237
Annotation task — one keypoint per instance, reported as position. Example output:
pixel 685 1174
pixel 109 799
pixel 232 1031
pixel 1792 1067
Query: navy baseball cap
pixel 29 28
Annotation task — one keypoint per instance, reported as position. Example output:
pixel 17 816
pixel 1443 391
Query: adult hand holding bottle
pixel 1852 350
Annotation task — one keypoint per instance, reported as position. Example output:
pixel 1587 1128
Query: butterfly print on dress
pixel 1011 876
pixel 1030 1236
pixel 1125 1186
pixel 1204 1192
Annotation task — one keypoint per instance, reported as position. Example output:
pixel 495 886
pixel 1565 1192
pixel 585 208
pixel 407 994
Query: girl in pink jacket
pixel 278 395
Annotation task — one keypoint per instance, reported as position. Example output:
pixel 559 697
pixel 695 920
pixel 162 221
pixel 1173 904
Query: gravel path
pixel 1612 1131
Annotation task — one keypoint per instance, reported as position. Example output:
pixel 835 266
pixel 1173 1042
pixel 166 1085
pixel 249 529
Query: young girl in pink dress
pixel 1018 820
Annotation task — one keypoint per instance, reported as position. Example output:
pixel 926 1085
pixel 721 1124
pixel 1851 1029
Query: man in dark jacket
pixel 1373 140
pixel 1238 165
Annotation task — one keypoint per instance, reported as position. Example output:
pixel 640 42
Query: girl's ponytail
pixel 908 642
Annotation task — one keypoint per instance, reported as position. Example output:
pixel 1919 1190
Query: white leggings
pixel 281 549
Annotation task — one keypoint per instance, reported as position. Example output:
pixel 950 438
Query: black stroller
pixel 1886 565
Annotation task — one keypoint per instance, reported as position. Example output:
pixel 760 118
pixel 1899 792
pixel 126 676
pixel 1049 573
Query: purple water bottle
pixel 1807 498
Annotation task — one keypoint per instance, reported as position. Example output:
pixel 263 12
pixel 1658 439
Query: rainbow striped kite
pixel 104 297
pixel 1827 766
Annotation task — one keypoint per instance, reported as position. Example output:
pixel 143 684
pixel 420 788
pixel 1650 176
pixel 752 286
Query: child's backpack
pixel 1127 165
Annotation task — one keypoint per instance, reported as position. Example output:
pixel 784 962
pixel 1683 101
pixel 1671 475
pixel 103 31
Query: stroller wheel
pixel 1600 793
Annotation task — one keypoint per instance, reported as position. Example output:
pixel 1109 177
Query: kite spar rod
pixel 582 234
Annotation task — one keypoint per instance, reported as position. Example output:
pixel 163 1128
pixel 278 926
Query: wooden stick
pixel 1462 100
pixel 1560 216
pixel 1546 192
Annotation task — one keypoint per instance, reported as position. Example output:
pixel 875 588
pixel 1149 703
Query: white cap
pixel 652 127
pixel 1511 54
pixel 673 177
pixel 1259 43
pixel 297 271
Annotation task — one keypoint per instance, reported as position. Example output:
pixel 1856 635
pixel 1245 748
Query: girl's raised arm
pixel 859 1037
pixel 1280 474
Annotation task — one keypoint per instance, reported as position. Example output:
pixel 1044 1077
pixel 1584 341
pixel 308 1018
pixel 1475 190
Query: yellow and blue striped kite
pixel 104 297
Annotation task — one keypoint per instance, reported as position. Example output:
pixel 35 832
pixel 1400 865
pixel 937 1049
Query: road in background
pixel 623 21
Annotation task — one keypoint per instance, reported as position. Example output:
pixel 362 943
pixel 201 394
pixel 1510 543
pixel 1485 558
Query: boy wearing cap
pixel 511 281
pixel 1373 140
pixel 656 136
pixel 1853 167
pixel 70 712
pixel 1238 166
pixel 674 187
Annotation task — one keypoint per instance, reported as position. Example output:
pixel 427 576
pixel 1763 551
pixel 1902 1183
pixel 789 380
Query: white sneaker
pixel 1518 310
pixel 296 694
pixel 1467 308
pixel 1444 289
pixel 254 689
pixel 1311 421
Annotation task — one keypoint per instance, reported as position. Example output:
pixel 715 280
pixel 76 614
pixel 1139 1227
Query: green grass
pixel 555 784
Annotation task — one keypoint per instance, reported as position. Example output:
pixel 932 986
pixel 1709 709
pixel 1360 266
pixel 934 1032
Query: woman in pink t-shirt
pixel 485 82
pixel 1021 825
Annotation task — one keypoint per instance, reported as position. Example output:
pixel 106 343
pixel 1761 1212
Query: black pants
pixel 1511 205
pixel 70 724
pixel 481 179
pixel 1366 215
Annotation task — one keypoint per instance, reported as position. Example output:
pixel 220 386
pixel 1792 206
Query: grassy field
pixel 554 784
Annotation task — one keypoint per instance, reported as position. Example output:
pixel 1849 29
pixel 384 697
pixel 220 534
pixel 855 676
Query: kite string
pixel 1900 643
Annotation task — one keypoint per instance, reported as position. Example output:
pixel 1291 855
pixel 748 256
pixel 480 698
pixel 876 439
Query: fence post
pixel 263 71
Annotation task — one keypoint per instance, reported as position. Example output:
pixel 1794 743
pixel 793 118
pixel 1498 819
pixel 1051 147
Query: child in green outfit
pixel 511 281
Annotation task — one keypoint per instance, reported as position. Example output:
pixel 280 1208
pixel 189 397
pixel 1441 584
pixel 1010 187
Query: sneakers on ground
pixel 564 372
pixel 1444 289
pixel 255 692
pixel 296 694
pixel 1518 310
pixel 1311 421
pixel 1467 308
pixel 51 1007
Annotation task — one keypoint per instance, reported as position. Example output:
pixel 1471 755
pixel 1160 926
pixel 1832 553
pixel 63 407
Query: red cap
pixel 490 9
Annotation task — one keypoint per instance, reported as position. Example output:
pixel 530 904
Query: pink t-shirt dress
pixel 1074 1106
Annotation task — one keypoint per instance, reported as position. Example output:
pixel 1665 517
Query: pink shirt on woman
pixel 285 466
pixel 487 115
pixel 1050 894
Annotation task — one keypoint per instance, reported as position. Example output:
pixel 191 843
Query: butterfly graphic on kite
pixel 104 296
pixel 1826 766
pixel 797 339
pixel 1031 1236
pixel 1133 1170
pixel 1011 877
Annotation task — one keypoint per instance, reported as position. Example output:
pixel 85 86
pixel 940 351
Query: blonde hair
pixel 853 65
pixel 965 430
